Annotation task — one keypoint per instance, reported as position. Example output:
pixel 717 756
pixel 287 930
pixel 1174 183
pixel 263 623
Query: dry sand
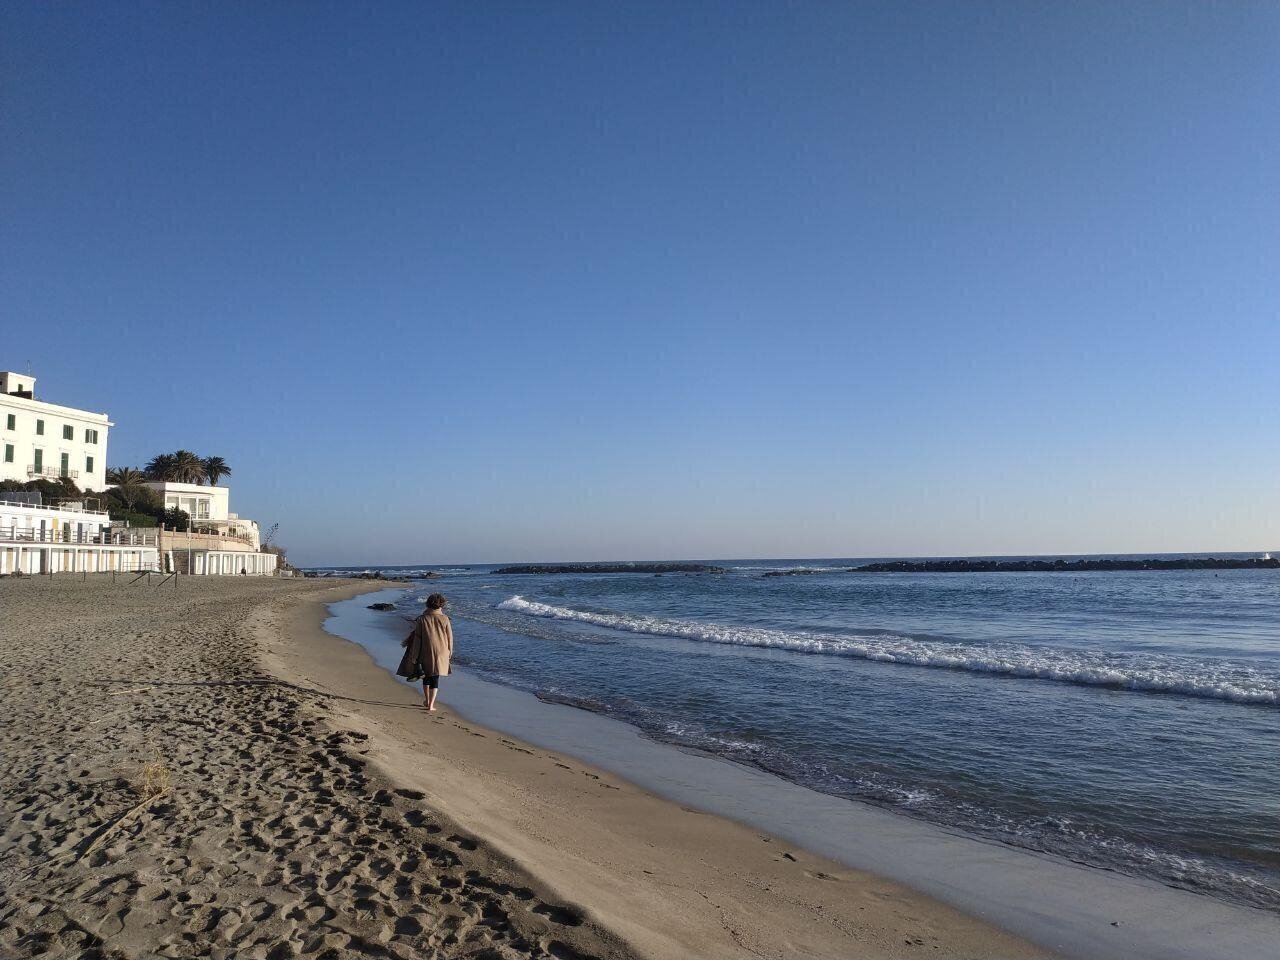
pixel 313 809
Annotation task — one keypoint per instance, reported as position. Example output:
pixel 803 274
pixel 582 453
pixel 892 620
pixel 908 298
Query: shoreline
pixel 311 808
pixel 669 879
pixel 1072 908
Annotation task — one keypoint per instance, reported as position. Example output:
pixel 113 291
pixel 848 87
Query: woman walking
pixel 428 649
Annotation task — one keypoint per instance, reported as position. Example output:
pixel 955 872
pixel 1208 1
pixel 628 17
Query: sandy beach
pixel 202 771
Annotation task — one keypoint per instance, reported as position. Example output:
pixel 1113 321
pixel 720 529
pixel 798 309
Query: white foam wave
pixel 1148 674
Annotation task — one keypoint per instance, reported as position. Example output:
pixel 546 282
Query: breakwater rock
pixel 557 568
pixel 1068 566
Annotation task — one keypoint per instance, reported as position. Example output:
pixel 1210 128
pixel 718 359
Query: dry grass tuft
pixel 153 781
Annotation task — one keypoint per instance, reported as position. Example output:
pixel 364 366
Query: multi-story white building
pixel 39 439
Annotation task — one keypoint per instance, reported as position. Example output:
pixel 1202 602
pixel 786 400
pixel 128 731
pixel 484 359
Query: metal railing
pixel 194 537
pixel 5 502
pixel 52 473
pixel 145 537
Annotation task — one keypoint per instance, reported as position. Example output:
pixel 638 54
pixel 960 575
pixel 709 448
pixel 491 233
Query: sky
pixel 485 282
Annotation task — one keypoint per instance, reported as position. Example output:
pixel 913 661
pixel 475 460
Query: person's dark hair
pixel 435 601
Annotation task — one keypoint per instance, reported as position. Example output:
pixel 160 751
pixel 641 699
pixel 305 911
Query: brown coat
pixel 429 648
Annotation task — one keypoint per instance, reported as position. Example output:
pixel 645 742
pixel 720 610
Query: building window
pixel 39 460
pixel 39 428
pixel 65 467
pixel 11 423
pixel 88 464
pixel 90 436
pixel 8 453
pixel 68 432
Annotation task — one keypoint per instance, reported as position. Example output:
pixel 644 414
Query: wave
pixel 1233 683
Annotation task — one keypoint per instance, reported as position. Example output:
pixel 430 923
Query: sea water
pixel 1126 720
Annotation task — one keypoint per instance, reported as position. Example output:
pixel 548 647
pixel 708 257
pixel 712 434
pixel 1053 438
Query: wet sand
pixel 313 809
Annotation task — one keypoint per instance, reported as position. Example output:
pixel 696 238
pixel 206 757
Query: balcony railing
pixel 182 539
pixel 145 537
pixel 53 507
pixel 52 473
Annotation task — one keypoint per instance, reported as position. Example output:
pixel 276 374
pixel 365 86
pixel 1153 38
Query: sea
pixel 1124 720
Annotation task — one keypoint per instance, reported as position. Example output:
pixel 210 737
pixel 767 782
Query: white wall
pixel 39 540
pixel 189 497
pixel 50 522
pixel 229 563
pixel 19 443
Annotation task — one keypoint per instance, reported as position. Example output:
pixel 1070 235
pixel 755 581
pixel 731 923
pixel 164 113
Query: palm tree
pixel 162 467
pixel 188 467
pixel 125 476
pixel 128 482
pixel 215 468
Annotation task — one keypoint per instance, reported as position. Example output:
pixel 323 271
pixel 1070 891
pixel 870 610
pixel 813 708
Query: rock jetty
pixel 556 568
pixel 1068 566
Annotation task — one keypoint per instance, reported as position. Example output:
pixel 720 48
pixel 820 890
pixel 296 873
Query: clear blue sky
pixel 487 281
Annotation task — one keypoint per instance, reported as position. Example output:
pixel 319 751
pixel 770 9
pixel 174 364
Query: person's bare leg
pixel 426 694
pixel 431 698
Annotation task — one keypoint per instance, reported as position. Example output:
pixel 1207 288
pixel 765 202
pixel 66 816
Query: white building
pixel 208 509
pixel 67 538
pixel 42 440
pixel 220 542
pixel 39 439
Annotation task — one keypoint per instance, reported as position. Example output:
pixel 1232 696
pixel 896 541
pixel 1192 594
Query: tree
pixel 64 488
pixel 128 485
pixel 125 476
pixel 162 467
pixel 188 467
pixel 215 468
pixel 181 466
pixel 139 505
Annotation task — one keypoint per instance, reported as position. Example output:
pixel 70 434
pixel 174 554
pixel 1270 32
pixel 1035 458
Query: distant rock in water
pixel 425 575
pixel 1067 566
pixel 382 606
pixel 555 568
pixel 801 571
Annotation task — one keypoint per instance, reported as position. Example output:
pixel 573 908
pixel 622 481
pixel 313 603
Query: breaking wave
pixel 1150 674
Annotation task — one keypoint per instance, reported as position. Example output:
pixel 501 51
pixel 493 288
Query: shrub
pixel 176 519
pixel 134 519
